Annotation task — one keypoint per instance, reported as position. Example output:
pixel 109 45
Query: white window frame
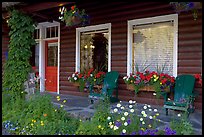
pixel 131 23
pixel 92 28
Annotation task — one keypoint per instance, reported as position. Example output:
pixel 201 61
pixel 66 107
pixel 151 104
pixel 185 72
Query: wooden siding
pixel 5 41
pixel 118 13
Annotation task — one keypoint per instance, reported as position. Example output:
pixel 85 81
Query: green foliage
pixel 17 66
pixel 182 126
pixel 98 123
pixel 38 116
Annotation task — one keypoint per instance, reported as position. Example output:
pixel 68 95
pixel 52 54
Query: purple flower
pixel 118 124
pixel 169 131
pixel 133 133
pixel 128 121
pixel 141 132
pixel 122 133
pixel 190 5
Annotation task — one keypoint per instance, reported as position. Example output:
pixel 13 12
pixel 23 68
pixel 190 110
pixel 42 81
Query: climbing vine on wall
pixel 17 66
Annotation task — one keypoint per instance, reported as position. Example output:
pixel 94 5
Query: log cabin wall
pixel 5 41
pixel 118 13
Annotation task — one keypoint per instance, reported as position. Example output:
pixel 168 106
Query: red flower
pixel 72 7
pixel 76 72
pixel 162 74
pixel 142 76
pixel 80 75
pixel 197 76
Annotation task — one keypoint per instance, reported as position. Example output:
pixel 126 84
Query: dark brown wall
pixel 117 13
pixel 5 41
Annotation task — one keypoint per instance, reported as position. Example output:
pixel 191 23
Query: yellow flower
pixel 94 79
pixel 64 101
pixel 61 106
pixel 157 114
pixel 160 83
pixel 34 121
pixel 131 81
pixel 142 128
pixel 99 126
pixel 149 125
pixel 58 97
pixel 55 110
pixel 42 124
pixel 154 76
pixel 155 80
pixel 41 121
pixel 31 124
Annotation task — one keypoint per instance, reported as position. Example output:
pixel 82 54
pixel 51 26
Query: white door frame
pixel 42 26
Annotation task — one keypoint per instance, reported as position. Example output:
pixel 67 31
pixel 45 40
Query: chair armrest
pixel 165 95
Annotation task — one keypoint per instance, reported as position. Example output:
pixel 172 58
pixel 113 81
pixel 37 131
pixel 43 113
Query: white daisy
pixel 124 131
pixel 130 101
pixel 130 106
pixel 118 105
pixel 115 110
pixel 132 110
pixel 125 124
pixel 126 113
pixel 123 118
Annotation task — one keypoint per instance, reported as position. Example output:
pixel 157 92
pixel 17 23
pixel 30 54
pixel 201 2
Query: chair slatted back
pixel 183 87
pixel 110 80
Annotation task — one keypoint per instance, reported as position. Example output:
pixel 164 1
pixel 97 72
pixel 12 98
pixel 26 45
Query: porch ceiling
pixel 39 11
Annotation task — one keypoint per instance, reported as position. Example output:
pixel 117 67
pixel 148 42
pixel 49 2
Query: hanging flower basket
pixel 187 6
pixel 74 16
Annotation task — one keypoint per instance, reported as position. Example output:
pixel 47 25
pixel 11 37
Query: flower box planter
pixel 130 87
pixel 76 84
pixel 145 88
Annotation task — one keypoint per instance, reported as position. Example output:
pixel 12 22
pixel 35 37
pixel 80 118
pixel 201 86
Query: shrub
pixel 38 116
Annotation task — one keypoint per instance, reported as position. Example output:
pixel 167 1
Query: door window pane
pixel 52 54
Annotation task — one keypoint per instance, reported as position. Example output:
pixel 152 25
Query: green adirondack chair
pixel 110 84
pixel 184 95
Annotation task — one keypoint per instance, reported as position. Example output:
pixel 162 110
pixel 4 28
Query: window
pixel 52 32
pixel 152 44
pixel 93 48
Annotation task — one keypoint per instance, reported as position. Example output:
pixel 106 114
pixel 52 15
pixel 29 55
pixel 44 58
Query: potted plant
pixel 78 80
pixel 74 16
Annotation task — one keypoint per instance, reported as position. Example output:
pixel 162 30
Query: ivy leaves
pixel 17 66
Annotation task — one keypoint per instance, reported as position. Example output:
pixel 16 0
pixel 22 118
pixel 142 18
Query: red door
pixel 51 62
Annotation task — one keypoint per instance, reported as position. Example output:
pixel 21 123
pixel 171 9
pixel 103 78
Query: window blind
pixel 153 47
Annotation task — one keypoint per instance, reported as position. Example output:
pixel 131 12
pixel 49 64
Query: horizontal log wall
pixel 118 13
pixel 5 41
